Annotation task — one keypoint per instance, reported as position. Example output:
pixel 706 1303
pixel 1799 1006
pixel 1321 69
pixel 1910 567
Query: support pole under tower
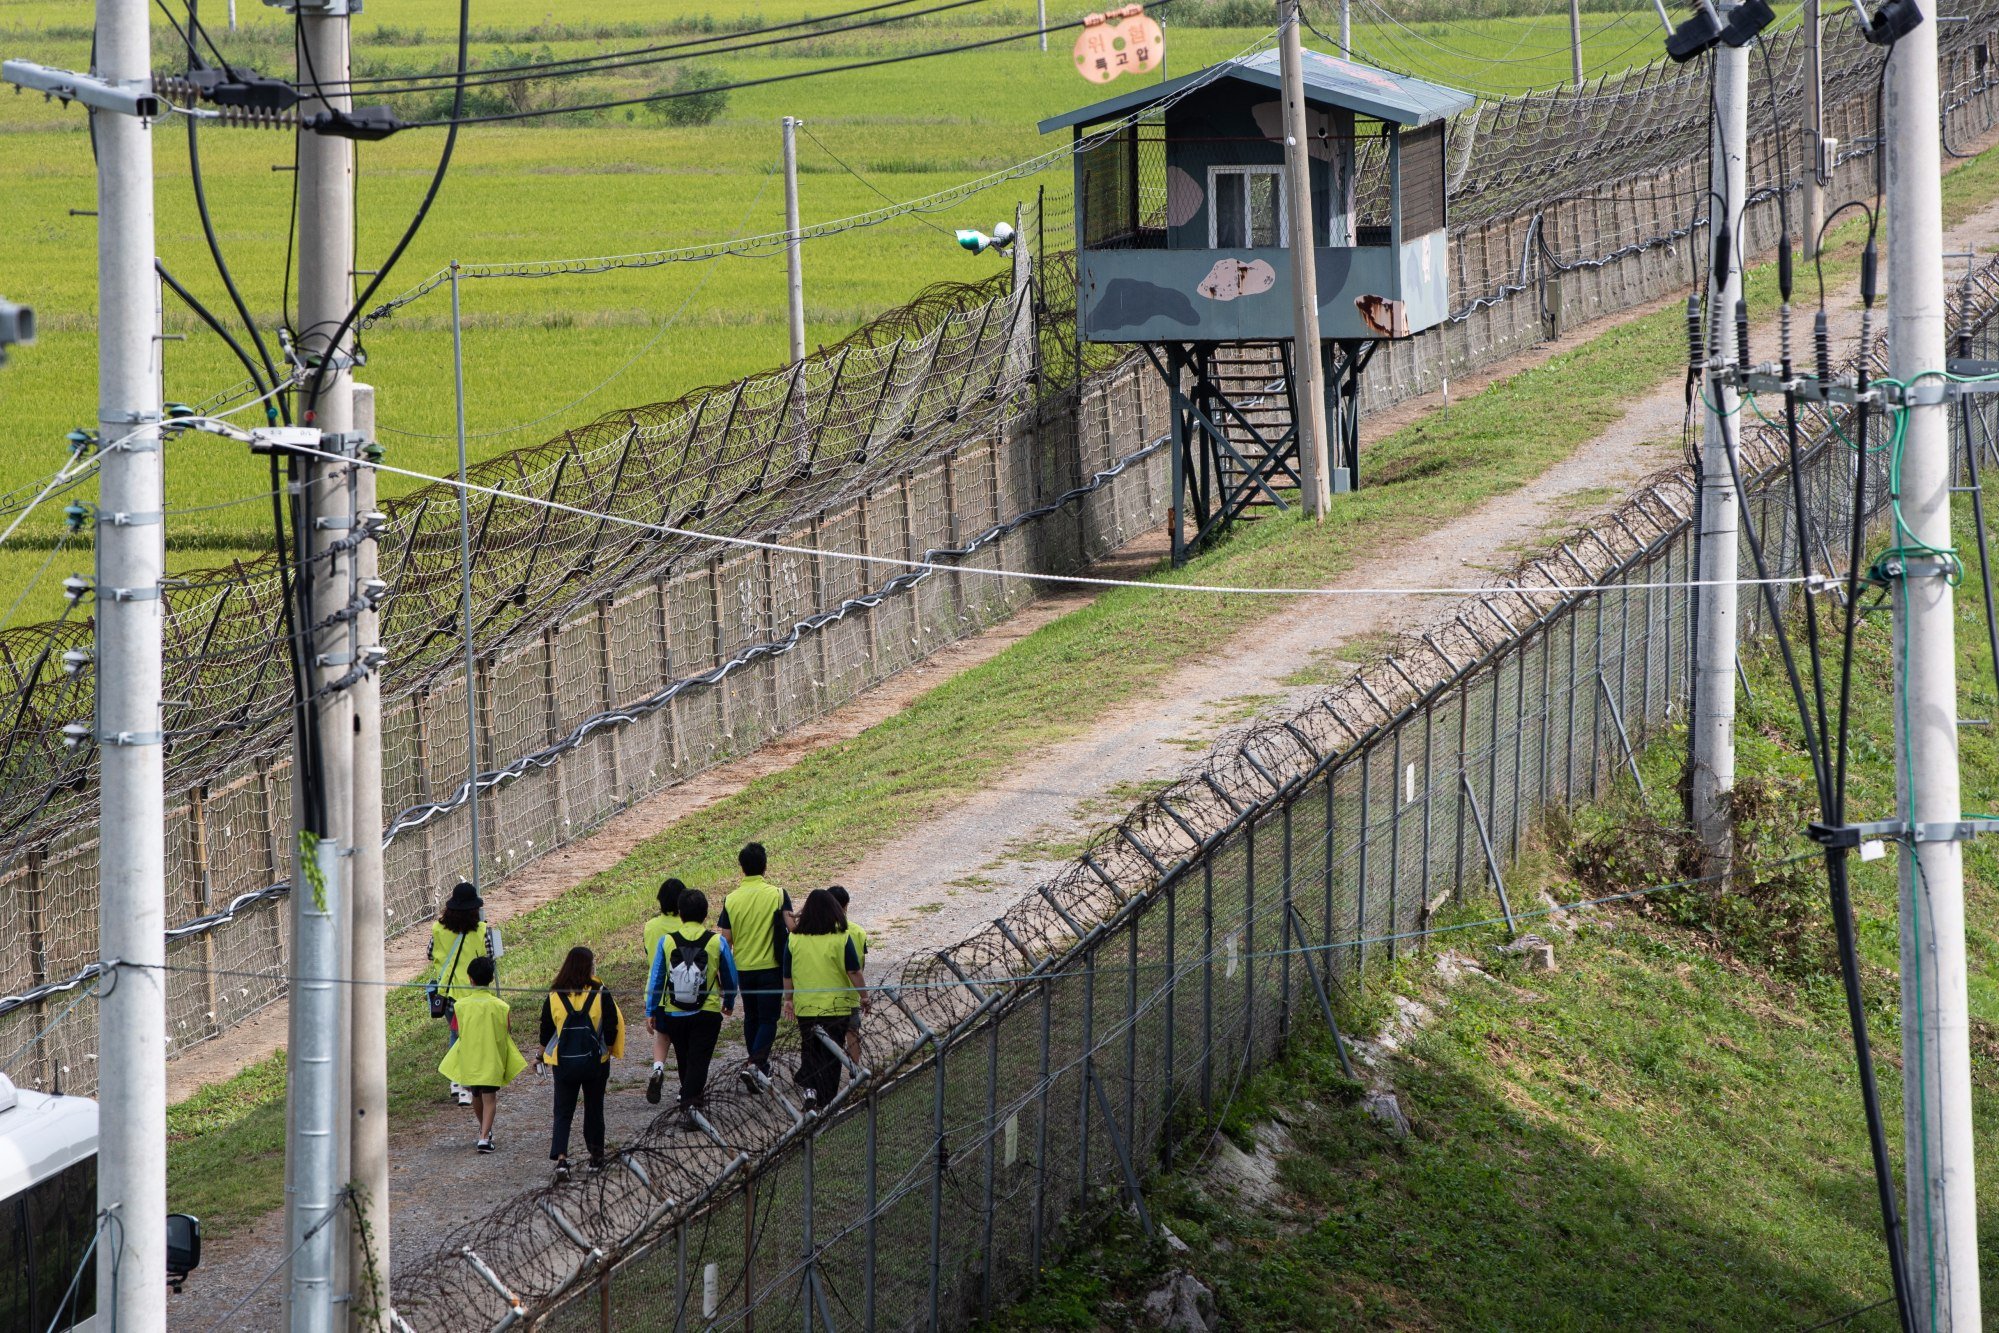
pixel 1309 376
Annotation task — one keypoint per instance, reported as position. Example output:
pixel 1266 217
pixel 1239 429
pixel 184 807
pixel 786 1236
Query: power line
pixel 841 163
pixel 617 61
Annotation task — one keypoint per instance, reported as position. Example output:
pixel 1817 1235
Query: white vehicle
pixel 48 1210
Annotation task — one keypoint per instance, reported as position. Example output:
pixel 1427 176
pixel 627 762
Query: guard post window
pixel 1247 209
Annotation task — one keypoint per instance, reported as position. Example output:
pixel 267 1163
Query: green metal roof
pixel 1329 82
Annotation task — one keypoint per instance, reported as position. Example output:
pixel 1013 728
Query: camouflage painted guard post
pixel 1184 249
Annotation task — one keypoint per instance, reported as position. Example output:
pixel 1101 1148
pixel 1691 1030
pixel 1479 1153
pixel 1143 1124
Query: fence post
pixel 1492 747
pixel 1284 959
pixel 1207 984
pixel 552 724
pixel 1547 713
pixel 1394 839
pixel 1573 614
pixel 1172 1002
pixel 1083 1083
pixel 1519 739
pixel 1249 935
pixel 1429 752
pixel 823 695
pixel 870 1203
pixel 1326 922
pixel 1131 1035
pixel 198 834
pixel 871 618
pixel 992 1126
pixel 1464 776
pixel 607 687
pixel 1596 700
pixel 1360 889
pixel 1041 1128
pixel 717 654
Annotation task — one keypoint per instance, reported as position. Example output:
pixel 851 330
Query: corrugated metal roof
pixel 1329 82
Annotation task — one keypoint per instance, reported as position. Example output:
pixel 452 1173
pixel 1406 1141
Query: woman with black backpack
pixel 581 1030
pixel 691 989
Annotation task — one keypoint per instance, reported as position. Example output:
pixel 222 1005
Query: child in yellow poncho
pixel 484 1058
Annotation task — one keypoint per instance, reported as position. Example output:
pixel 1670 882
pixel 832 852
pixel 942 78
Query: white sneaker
pixel 464 1097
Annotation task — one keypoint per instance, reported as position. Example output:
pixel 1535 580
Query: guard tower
pixel 1183 242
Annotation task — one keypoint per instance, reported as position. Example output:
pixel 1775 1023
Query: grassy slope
pixel 526 192
pixel 1659 1135
pixel 225 1162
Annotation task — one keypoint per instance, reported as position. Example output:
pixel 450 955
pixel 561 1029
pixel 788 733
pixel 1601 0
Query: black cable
pixel 1978 523
pixel 876 63
pixel 612 62
pixel 272 411
pixel 318 380
pixel 865 181
pixel 202 312
pixel 810 22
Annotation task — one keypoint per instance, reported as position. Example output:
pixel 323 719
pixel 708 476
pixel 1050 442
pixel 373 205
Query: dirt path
pixel 960 869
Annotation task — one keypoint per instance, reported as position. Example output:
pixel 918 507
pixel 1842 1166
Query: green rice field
pixel 552 353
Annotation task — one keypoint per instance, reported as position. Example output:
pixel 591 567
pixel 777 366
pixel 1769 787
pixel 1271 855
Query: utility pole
pixel 324 512
pixel 368 1130
pixel 1814 126
pixel 1041 21
pixel 1576 41
pixel 1308 374
pixel 1713 724
pixel 131 561
pixel 1346 29
pixel 794 271
pixel 1941 1218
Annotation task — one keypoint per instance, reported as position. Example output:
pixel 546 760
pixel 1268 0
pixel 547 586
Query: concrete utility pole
pixel 793 262
pixel 1041 21
pixel 1576 41
pixel 1307 373
pixel 1941 1219
pixel 316 1147
pixel 1714 674
pixel 131 560
pixel 1346 29
pixel 1814 126
pixel 368 1131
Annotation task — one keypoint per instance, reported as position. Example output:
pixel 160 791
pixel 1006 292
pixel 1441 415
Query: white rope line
pixel 1081 580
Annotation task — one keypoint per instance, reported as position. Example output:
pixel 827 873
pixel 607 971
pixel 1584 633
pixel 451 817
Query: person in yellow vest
pixel 823 989
pixel 656 929
pixel 756 918
pixel 456 938
pixel 484 1059
pixel 581 1030
pixel 691 989
pixel 840 896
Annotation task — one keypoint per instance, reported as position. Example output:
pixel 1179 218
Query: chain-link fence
pixel 1058 1053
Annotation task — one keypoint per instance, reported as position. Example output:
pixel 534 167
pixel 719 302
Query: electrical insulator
pixel 1784 336
pixel 1822 346
pixel 1694 334
pixel 1742 333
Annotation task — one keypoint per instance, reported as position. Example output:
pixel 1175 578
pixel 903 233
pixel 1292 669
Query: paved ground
pixel 965 865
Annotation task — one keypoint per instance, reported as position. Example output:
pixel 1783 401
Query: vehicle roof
pixel 41 1134
pixel 1329 82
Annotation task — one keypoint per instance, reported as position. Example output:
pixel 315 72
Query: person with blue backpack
pixel 691 989
pixel 581 1031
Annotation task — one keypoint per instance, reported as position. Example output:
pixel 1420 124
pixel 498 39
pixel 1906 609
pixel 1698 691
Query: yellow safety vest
pixel 819 982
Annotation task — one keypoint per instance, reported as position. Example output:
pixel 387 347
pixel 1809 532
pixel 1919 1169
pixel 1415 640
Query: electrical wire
pixel 665 327
pixel 878 62
pixel 688 44
pixel 617 62
pixel 781 548
pixel 842 164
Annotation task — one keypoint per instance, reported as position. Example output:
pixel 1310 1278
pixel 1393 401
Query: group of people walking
pixel 806 964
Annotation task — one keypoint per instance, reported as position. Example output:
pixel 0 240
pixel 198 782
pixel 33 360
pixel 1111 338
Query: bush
pixel 1775 911
pixel 706 103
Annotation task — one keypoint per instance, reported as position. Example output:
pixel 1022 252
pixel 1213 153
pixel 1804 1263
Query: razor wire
pixel 1534 694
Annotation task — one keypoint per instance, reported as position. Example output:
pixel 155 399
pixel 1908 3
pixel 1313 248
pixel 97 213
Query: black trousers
pixel 763 1005
pixel 693 1037
pixel 568 1087
pixel 819 1068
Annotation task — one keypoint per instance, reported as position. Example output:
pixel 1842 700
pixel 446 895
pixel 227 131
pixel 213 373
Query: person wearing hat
pixel 456 938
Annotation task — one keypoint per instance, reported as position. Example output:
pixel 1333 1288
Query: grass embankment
pixel 226 1155
pixel 531 191
pixel 1665 1133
